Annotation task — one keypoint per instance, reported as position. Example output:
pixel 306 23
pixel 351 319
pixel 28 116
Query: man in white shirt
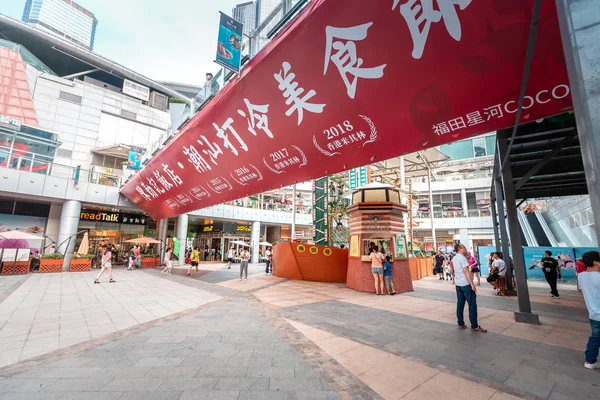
pixel 268 255
pixel 498 269
pixel 465 290
pixel 589 283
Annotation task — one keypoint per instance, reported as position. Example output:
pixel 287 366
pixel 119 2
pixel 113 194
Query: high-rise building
pixel 264 8
pixel 64 18
pixel 246 14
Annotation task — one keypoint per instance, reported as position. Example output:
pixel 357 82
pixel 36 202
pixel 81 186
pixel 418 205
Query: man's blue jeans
pixel 268 267
pixel 591 352
pixel 465 293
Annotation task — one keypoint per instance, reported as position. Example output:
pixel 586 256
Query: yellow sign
pixel 314 250
pixel 301 248
pixel 354 247
pixel 327 251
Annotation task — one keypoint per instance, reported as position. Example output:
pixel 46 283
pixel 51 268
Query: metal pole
pixel 503 234
pixel 524 314
pixel 431 210
pixel 410 218
pixel 402 173
pixel 495 221
pixel 294 213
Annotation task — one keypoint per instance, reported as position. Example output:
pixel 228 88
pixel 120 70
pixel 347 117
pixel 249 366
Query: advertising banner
pixel 229 46
pixel 135 158
pixel 352 82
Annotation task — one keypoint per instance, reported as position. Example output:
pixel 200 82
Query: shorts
pixel 388 282
pixel 475 270
pixel 107 265
pixel 439 269
pixel 194 263
pixel 230 259
pixel 377 270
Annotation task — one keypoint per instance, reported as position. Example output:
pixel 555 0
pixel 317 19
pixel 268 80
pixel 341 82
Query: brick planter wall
pixel 80 265
pixel 19 267
pixel 147 262
pixel 51 265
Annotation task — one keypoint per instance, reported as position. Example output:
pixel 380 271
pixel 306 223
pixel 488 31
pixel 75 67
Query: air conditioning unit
pixel 159 101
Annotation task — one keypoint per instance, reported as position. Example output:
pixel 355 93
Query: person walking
pixel 551 272
pixel 106 264
pixel 138 257
pixel 377 269
pixel 245 256
pixel 589 283
pixel 474 265
pixel 439 265
pixel 230 256
pixel 465 290
pixel 168 262
pixel 194 259
pixel 268 255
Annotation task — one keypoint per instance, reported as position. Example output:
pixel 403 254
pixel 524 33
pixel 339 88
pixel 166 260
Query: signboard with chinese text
pixel 400 246
pixel 136 90
pixel 229 45
pixel 348 83
pixel 354 246
pixel 114 217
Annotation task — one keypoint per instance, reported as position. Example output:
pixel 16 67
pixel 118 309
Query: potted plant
pixel 52 262
pixel 81 263
pixel 148 261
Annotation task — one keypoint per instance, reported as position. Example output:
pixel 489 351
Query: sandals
pixel 479 329
pixel 462 327
pixel 96 281
pixel 111 281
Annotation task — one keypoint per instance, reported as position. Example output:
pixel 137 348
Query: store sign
pixel 136 90
pixel 11 123
pixel 347 84
pixel 229 45
pixel 115 217
pixel 243 228
pixel 208 228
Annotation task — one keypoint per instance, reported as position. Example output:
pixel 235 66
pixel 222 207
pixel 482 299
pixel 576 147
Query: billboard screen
pixel 351 82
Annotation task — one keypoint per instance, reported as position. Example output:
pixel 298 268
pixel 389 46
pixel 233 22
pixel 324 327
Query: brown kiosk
pixel 377 216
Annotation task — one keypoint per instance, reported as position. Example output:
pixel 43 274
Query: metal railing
pixel 454 214
pixel 44 165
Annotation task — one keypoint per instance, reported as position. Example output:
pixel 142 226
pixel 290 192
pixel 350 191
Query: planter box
pixel 80 265
pixel 157 261
pixel 148 262
pixel 51 265
pixel 15 268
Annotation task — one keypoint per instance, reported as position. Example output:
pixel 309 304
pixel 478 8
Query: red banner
pixel 351 82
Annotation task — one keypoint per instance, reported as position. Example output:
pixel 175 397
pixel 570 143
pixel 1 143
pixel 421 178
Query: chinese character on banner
pixel 345 58
pixel 292 93
pixel 420 14
pixel 142 193
pixel 474 118
pixel 257 118
pixel 221 134
pixel 154 185
pixel 457 123
pixel 196 159
pixel 494 111
pixel 213 150
pixel 441 128
pixel 163 181
pixel 149 190
pixel 174 177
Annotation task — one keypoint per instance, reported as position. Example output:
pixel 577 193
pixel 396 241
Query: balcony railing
pixel 454 214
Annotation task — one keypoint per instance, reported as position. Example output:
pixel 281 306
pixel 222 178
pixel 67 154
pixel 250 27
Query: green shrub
pixel 149 255
pixel 53 256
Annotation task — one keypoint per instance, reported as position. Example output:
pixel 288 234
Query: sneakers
pixel 595 365
pixel 555 297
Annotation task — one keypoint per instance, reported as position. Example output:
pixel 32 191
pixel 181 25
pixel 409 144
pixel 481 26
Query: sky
pixel 165 40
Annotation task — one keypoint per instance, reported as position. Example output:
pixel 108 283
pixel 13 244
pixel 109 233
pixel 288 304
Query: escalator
pixel 537 230
pixel 526 230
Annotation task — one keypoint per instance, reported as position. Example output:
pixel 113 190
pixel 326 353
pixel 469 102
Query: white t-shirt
pixel 268 254
pixel 230 253
pixel 501 265
pixel 376 259
pixel 459 262
pixel 589 283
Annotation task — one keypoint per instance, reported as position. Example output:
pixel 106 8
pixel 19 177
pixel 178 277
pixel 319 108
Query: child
pixel 168 262
pixel 387 276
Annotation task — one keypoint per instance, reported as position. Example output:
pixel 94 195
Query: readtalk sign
pixel 350 82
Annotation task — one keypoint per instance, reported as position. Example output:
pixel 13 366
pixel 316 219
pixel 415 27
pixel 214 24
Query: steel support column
pixel 503 234
pixel 495 221
pixel 524 314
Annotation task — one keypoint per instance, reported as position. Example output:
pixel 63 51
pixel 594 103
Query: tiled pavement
pixel 267 338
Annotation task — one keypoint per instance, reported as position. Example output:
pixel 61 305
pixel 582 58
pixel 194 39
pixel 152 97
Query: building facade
pixel 64 18
pixel 246 14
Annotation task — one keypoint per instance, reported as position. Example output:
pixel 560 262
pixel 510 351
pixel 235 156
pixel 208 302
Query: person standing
pixel 245 256
pixel 130 257
pixel 377 269
pixel 465 290
pixel 106 263
pixel 168 262
pixel 194 258
pixel 579 268
pixel 268 255
pixel 387 276
pixel 439 265
pixel 230 256
pixel 138 257
pixel 589 283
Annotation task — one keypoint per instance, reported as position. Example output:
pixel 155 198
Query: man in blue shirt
pixel 387 276
pixel 589 283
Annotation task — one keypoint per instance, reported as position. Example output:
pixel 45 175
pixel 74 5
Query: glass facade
pixel 65 19
pixel 470 148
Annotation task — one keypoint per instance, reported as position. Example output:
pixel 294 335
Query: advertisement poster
pixel 331 90
pixel 19 222
pixel 354 247
pixel 400 247
pixel 135 158
pixel 229 47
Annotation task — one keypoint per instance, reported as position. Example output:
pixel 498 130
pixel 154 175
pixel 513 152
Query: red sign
pixel 351 82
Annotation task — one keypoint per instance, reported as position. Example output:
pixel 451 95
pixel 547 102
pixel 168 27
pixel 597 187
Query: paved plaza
pixel 214 336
